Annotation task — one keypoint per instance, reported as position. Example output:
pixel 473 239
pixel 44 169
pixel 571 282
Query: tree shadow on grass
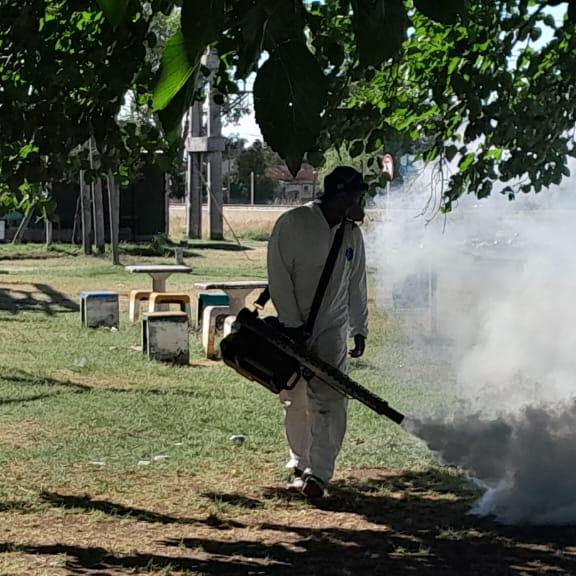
pixel 397 524
pixel 223 246
pixel 50 302
pixel 161 252
pixel 87 504
pixel 189 249
pixel 23 379
pixel 237 500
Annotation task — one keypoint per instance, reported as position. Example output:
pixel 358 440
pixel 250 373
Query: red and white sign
pixel 388 165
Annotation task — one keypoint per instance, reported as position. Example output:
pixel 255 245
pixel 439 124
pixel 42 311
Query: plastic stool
pixel 208 299
pixel 137 296
pixel 211 315
pixel 180 298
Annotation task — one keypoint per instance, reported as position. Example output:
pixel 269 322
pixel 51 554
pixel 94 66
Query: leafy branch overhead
pixel 461 81
pixel 486 88
pixel 71 71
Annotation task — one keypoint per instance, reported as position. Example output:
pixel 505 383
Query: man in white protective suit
pixel 315 413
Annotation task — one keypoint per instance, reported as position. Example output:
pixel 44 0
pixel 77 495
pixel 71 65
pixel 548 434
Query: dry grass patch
pixel 258 528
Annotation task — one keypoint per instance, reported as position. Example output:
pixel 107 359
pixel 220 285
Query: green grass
pixel 71 397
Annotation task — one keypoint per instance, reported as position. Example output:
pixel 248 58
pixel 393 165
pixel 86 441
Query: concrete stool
pixel 99 309
pixel 208 299
pixel 209 327
pixel 182 299
pixel 165 336
pixel 137 296
pixel 228 325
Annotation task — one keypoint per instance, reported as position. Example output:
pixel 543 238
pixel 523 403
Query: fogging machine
pixel 259 350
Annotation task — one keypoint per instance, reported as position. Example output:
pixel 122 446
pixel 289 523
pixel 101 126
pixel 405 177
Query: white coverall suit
pixel 315 413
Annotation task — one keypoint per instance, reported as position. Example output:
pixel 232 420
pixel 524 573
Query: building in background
pixel 292 190
pixel 143 212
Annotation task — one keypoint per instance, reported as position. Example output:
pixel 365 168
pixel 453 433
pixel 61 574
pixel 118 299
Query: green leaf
pixel 175 70
pixel 171 115
pixel 466 162
pixel 450 152
pixel 443 11
pixel 284 23
pixel 356 148
pixel 201 23
pixel 535 34
pixel 289 98
pixel 316 158
pixel 380 27
pixel 252 26
pixel 572 11
pixel 485 190
pixel 114 10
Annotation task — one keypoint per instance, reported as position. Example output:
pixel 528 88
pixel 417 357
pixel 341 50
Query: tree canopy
pixel 65 72
pixel 485 89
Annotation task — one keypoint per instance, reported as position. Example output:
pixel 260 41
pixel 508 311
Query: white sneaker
pixel 296 482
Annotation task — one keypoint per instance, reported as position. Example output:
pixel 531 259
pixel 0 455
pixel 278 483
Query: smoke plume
pixel 497 280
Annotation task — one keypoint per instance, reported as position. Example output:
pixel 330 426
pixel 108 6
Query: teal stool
pixel 208 299
pixel 99 309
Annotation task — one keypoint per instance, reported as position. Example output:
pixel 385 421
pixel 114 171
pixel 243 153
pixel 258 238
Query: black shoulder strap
pixel 262 300
pixel 325 278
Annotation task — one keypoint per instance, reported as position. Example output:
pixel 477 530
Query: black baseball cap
pixel 344 179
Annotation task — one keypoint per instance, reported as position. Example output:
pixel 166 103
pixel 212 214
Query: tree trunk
pixel 76 217
pixel 23 225
pixel 85 202
pixel 98 205
pixel 49 231
pixel 114 212
pixel 99 234
pixel 48 224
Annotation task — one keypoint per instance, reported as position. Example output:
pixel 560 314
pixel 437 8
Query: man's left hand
pixel 359 346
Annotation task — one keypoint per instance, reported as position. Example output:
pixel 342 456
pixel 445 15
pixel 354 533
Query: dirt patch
pixel 375 522
pixel 28 433
pixel 95 380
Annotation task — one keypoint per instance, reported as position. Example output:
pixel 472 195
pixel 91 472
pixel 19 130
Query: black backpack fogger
pixel 253 353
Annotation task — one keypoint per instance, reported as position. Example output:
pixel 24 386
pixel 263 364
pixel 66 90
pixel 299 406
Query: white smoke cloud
pixel 497 279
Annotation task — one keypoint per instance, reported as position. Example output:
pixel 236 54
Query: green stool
pixel 208 299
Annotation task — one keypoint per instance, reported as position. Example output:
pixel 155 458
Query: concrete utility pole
pixel 215 149
pixel 212 145
pixel 194 174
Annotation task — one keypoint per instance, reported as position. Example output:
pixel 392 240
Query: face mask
pixel 356 211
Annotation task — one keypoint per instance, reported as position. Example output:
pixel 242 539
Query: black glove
pixel 359 346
